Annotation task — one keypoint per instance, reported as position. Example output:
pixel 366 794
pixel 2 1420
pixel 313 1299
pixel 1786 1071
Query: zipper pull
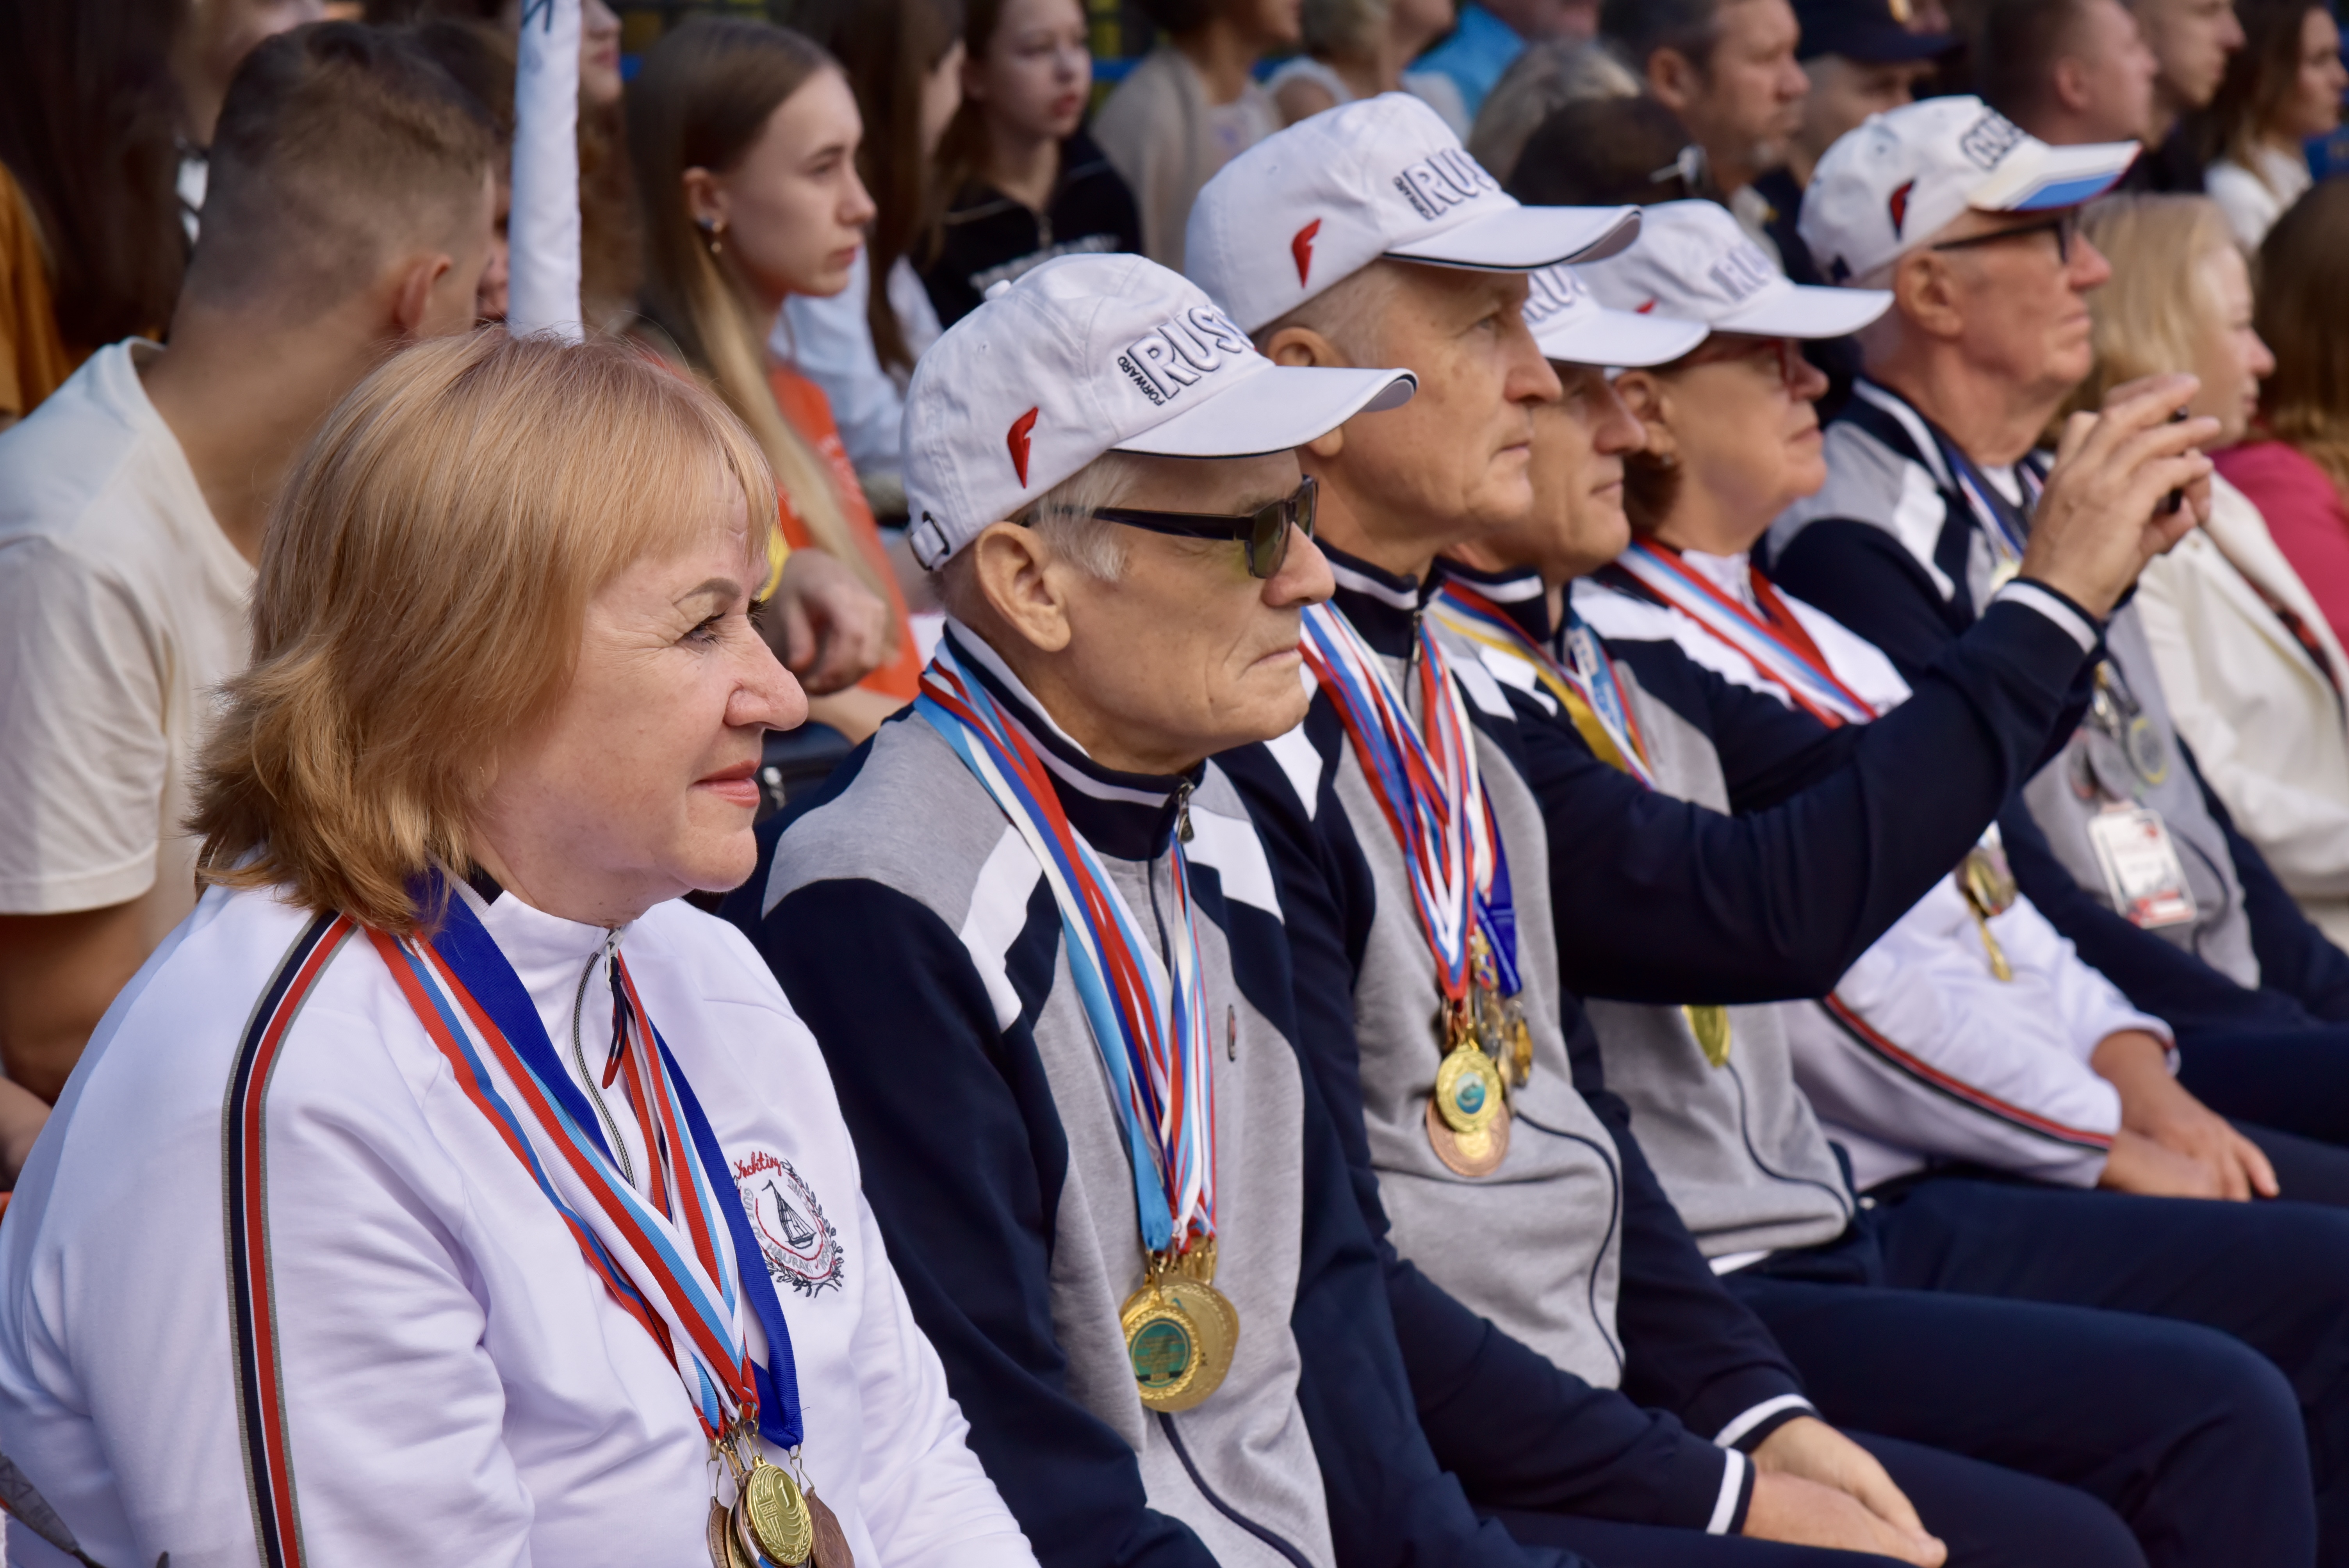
pixel 619 1013
pixel 1182 812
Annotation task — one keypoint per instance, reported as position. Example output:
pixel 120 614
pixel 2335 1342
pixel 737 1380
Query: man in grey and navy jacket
pixel 919 932
pixel 1574 1358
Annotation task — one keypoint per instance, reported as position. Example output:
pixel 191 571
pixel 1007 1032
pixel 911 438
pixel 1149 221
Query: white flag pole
pixel 542 291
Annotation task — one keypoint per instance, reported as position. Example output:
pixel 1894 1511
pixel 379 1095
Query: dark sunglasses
pixel 2064 225
pixel 1263 532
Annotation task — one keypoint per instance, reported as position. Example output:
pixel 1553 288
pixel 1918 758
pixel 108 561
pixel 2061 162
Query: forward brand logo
pixel 1989 139
pixel 1898 208
pixel 1443 181
pixel 1741 273
pixel 1184 348
pixel 1301 248
pixel 1553 293
pixel 1017 440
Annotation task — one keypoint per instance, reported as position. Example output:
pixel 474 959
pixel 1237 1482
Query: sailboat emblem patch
pixel 803 1249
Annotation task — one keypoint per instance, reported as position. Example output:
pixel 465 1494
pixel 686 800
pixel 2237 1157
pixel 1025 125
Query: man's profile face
pixel 1750 104
pixel 2191 39
pixel 2023 306
pixel 2115 71
pixel 1844 92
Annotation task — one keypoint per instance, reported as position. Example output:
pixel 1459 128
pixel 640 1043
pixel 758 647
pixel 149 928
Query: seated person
pixel 1571 1349
pixel 1120 1209
pixel 1933 488
pixel 2249 668
pixel 493 1301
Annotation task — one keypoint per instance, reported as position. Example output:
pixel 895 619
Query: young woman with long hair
pixel 2282 88
pixel 1019 181
pixel 744 136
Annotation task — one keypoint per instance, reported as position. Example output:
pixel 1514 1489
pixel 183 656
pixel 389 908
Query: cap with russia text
pixel 1313 204
pixel 1899 179
pixel 1694 263
pixel 1093 354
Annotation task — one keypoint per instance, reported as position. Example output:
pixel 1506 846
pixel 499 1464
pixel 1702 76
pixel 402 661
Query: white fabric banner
pixel 542 294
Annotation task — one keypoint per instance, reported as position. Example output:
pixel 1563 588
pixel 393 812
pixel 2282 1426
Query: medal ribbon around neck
pixel 1773 642
pixel 683 1261
pixel 1150 1028
pixel 1596 695
pixel 1429 790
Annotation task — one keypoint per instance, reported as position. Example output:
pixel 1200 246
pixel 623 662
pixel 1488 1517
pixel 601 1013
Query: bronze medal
pixel 830 1540
pixel 723 1552
pixel 771 1516
pixel 1710 1025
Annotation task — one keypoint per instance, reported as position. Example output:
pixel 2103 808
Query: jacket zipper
pixel 1287 1550
pixel 579 1054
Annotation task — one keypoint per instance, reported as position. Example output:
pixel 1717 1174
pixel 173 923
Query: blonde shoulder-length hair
pixel 422 591
pixel 2151 318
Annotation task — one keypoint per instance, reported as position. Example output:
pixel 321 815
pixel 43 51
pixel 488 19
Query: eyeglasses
pixel 1785 355
pixel 1263 533
pixel 2064 225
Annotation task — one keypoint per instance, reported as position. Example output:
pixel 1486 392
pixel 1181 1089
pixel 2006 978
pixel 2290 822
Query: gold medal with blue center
pixel 1180 1332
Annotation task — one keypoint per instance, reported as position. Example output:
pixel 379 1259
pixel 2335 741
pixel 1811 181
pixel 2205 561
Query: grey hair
pixel 1547 76
pixel 1064 516
pixel 1350 312
pixel 1343 29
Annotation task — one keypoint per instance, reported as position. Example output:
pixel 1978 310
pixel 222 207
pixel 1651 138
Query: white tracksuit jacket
pixel 1922 1054
pixel 458 1388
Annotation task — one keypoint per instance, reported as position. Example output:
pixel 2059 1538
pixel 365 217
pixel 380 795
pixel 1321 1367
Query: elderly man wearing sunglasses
pixel 1034 932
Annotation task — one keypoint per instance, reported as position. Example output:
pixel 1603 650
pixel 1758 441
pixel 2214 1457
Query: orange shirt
pixel 810 413
pixel 34 363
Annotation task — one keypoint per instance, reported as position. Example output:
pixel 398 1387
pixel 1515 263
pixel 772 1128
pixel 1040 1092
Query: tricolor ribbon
pixel 1149 1027
pixel 1585 684
pixel 679 1258
pixel 1772 641
pixel 1429 790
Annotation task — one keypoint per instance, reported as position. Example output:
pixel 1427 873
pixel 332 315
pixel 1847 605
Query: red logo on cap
pixel 1651 304
pixel 1018 441
pixel 1301 247
pixel 1899 206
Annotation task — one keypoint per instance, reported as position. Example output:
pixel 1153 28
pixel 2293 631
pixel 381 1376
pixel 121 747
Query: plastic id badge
pixel 2142 871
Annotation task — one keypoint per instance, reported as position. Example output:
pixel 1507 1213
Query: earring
pixel 1668 460
pixel 714 232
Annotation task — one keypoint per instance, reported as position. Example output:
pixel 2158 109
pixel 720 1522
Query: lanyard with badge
pixel 1432 796
pixel 1149 1024
pixel 676 1256
pixel 2122 755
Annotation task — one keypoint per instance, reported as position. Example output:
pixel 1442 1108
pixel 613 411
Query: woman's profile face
pixel 1737 416
pixel 790 215
pixel 2314 107
pixel 2230 357
pixel 1032 81
pixel 640 785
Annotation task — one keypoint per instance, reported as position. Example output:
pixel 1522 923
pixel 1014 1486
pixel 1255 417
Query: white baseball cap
pixel 1694 263
pixel 1314 204
pixel 1571 326
pixel 1091 354
pixel 1899 179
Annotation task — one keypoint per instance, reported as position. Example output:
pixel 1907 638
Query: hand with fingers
pixel 2103 513
pixel 1815 1487
pixel 828 628
pixel 2183 1134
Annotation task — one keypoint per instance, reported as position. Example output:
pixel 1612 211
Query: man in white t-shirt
pixel 349 214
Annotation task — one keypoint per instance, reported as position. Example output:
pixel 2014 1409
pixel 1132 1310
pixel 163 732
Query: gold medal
pixel 1468 1114
pixel 1989 889
pixel 1710 1025
pixel 1180 1333
pixel 771 1516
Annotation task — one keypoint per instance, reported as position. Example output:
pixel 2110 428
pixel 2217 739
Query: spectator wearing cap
pixel 1727 68
pixel 1191 106
pixel 1102 478
pixel 1490 34
pixel 1606 1351
pixel 2117 841
pixel 1861 60
pixel 1729 437
pixel 2070 72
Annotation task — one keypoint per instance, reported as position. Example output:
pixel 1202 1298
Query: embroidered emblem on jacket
pixel 803 1249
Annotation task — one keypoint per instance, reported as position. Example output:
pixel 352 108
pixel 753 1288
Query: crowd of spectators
pixel 219 218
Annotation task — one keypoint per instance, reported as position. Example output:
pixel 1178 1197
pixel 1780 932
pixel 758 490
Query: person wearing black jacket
pixel 1023 181
pixel 1030 893
pixel 1571 1349
pixel 1932 479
